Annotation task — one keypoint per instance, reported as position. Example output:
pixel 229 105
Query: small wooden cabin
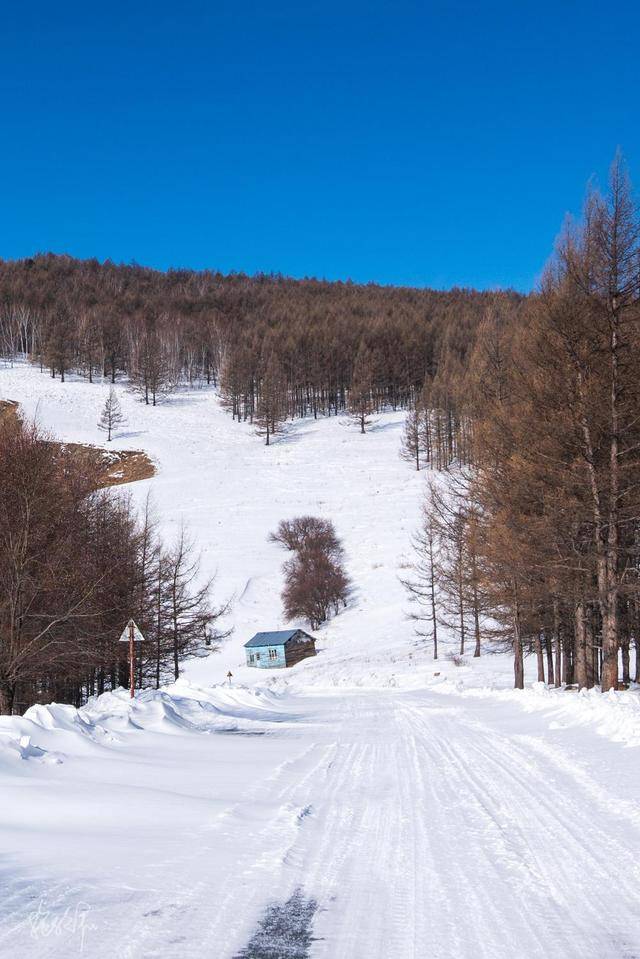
pixel 285 647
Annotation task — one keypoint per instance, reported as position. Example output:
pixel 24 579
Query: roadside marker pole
pixel 132 635
pixel 132 661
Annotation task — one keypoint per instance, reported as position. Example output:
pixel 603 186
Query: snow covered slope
pixel 231 491
pixel 356 806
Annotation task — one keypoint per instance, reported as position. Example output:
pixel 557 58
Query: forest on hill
pixel 276 347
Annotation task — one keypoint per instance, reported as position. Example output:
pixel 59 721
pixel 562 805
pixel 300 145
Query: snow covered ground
pixel 397 813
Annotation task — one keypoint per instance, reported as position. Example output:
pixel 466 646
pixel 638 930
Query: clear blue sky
pixel 416 143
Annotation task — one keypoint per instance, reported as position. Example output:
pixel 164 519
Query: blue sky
pixel 424 143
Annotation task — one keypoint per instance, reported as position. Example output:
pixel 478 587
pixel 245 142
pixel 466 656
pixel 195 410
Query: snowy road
pixel 421 824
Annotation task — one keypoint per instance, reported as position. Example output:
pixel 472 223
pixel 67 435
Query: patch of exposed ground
pixel 112 467
pixel 8 408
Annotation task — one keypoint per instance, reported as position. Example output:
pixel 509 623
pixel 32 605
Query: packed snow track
pixel 416 823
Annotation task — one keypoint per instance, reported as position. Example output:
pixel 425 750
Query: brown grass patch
pixel 112 467
pixel 8 408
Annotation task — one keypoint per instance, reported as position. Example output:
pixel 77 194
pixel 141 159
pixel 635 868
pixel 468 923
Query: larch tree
pixel 271 405
pixel 361 397
pixel 421 585
pixel 111 417
pixel 413 446
pixel 61 337
pixel 152 375
pixel 192 619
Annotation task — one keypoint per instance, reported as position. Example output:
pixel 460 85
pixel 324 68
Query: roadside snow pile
pixel 13 748
pixel 51 732
pixel 615 715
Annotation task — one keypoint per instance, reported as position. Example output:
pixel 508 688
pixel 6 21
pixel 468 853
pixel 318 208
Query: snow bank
pixel 12 748
pixel 50 733
pixel 614 715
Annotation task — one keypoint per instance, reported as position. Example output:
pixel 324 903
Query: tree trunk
pixel 518 655
pixel 610 639
pixel 539 657
pixel 558 642
pixel 609 677
pixel 176 659
pixel 568 656
pixel 476 622
pixel 581 665
pixel 593 653
pixel 626 662
pixel 7 694
pixel 432 584
pixel 549 651
pixel 461 601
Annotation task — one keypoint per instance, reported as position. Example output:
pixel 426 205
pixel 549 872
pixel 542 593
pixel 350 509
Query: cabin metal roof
pixel 277 638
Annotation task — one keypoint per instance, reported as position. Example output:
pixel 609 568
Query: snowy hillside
pixel 231 491
pixel 355 806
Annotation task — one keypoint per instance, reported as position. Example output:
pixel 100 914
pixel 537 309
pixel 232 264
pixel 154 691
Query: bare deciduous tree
pixel 315 581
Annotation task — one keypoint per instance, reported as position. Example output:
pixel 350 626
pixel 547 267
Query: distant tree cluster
pixel 75 564
pixel 437 430
pixel 277 348
pixel 316 584
pixel 539 534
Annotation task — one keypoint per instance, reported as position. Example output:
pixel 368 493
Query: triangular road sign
pixel 126 633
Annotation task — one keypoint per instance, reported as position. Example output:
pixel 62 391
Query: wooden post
pixel 132 661
pixel 131 635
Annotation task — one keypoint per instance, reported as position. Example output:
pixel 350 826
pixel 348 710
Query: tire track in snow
pixel 556 841
pixel 185 916
pixel 439 837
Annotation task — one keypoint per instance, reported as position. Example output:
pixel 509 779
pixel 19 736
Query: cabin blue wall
pixel 266 661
